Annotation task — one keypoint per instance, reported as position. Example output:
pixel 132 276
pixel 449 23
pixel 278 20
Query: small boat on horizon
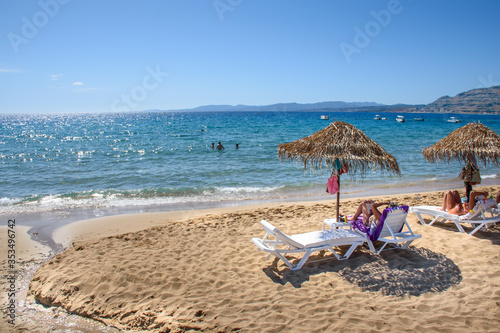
pixel 377 117
pixel 454 120
pixel 324 117
pixel 418 119
pixel 400 119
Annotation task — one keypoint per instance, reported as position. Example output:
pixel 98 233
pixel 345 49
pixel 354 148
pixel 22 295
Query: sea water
pixel 164 160
pixel 55 169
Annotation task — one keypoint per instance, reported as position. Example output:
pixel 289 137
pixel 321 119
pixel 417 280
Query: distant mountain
pixel 287 106
pixel 482 100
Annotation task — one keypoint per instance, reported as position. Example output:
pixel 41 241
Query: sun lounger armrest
pixel 261 244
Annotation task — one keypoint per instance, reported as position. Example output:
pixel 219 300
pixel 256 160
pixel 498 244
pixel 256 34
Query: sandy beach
pixel 199 271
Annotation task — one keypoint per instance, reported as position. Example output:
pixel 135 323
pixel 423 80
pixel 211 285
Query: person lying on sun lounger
pixel 452 202
pixel 369 208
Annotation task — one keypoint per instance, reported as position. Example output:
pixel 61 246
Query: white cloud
pixel 56 77
pixel 9 70
pixel 78 83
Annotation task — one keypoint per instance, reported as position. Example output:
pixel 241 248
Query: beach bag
pixel 466 173
pixel 476 177
pixel 332 186
pixel 470 174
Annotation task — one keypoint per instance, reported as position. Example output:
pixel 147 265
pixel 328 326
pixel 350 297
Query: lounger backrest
pixel 481 207
pixel 395 221
pixel 477 212
pixel 280 235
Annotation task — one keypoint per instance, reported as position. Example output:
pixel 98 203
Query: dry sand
pixel 199 271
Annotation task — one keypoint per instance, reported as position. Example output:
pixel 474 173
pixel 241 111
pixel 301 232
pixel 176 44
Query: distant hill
pixel 482 100
pixel 287 106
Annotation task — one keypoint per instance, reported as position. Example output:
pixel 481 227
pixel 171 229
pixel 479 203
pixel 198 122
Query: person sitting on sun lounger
pixel 452 203
pixel 370 208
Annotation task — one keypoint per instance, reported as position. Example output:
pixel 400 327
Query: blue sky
pixel 106 56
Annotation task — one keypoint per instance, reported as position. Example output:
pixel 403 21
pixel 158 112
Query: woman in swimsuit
pixel 452 202
pixel 369 208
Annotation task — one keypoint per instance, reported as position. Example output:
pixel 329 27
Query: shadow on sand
pixel 413 271
pixel 492 233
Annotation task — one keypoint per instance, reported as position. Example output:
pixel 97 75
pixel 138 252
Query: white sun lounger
pixel 485 215
pixel 306 243
pixel 395 230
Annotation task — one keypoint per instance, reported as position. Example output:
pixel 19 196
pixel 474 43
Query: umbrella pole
pixel 338 195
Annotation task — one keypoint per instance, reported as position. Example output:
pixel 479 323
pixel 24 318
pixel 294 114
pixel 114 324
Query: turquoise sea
pixel 152 161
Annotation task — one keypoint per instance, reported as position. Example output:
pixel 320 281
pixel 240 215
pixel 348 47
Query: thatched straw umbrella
pixel 469 143
pixel 343 143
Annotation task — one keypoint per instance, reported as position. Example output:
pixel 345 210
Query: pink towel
pixel 332 185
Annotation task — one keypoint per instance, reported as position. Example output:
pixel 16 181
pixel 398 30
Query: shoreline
pixel 97 230
pixel 42 225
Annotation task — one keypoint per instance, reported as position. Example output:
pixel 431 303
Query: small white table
pixel 333 224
